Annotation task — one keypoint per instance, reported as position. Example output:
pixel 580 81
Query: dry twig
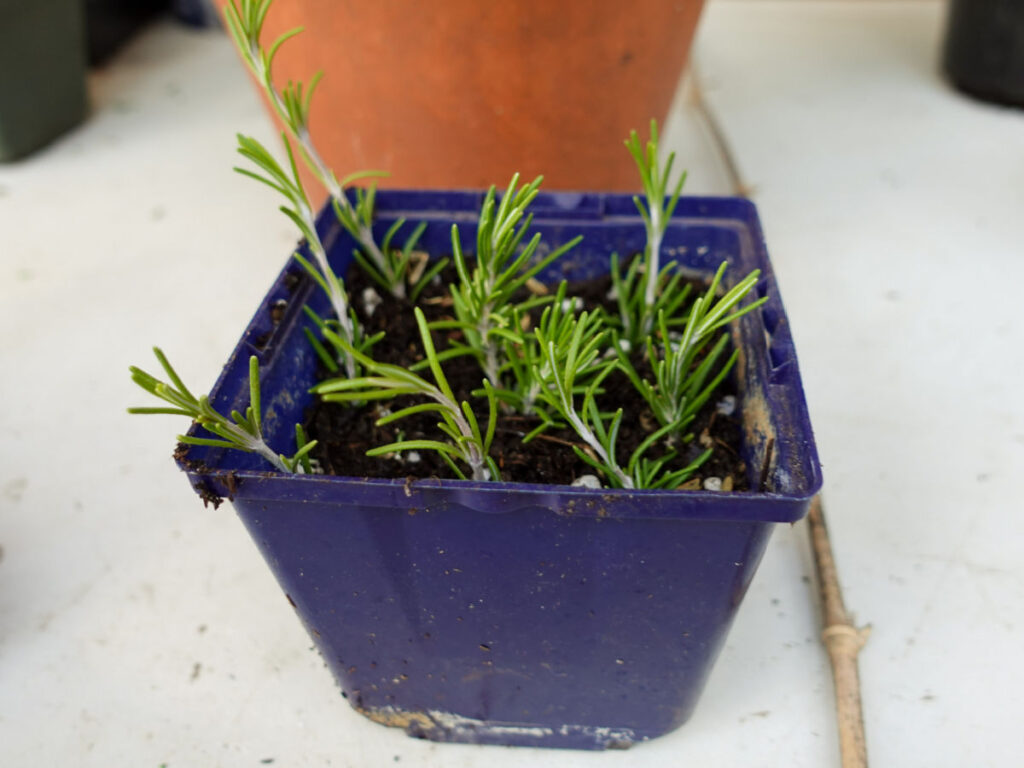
pixel 843 640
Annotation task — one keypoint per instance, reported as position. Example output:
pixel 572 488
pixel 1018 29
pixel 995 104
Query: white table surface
pixel 137 628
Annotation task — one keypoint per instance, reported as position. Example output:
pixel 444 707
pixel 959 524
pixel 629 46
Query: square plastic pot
pixel 510 613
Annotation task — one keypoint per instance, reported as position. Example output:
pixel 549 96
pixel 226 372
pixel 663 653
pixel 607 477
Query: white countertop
pixel 137 628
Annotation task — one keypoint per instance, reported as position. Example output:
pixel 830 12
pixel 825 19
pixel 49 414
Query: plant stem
pixel 843 640
pixel 473 456
pixel 364 236
pixel 484 323
pixel 591 439
pixel 339 301
pixel 654 235
pixel 264 450
pixel 491 365
pixel 257 444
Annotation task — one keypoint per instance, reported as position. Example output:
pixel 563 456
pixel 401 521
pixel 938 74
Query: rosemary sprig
pixel 579 348
pixel 292 103
pixel 562 357
pixel 682 381
pixel 404 268
pixel 243 432
pixel 524 357
pixel 628 289
pixel 289 185
pixel 482 300
pixel 467 441
pixel 638 307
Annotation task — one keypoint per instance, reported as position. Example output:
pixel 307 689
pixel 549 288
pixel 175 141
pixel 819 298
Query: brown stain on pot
pixel 759 431
pixel 588 506
pixel 759 434
pixel 396 718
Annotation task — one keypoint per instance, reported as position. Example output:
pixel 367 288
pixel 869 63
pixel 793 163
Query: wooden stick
pixel 843 641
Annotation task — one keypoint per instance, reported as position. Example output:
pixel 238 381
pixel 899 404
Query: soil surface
pixel 344 434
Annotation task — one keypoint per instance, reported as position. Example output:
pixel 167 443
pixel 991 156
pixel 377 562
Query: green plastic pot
pixel 42 73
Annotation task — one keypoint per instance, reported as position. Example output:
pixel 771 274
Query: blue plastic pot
pixel 509 613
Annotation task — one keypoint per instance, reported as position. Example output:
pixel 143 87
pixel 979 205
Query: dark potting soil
pixel 344 434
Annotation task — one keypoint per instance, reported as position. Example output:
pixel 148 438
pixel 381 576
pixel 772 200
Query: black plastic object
pixel 197 13
pixel 111 23
pixel 42 73
pixel 510 613
pixel 984 54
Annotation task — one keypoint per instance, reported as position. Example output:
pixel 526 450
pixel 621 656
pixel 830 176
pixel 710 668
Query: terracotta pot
pixel 463 93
